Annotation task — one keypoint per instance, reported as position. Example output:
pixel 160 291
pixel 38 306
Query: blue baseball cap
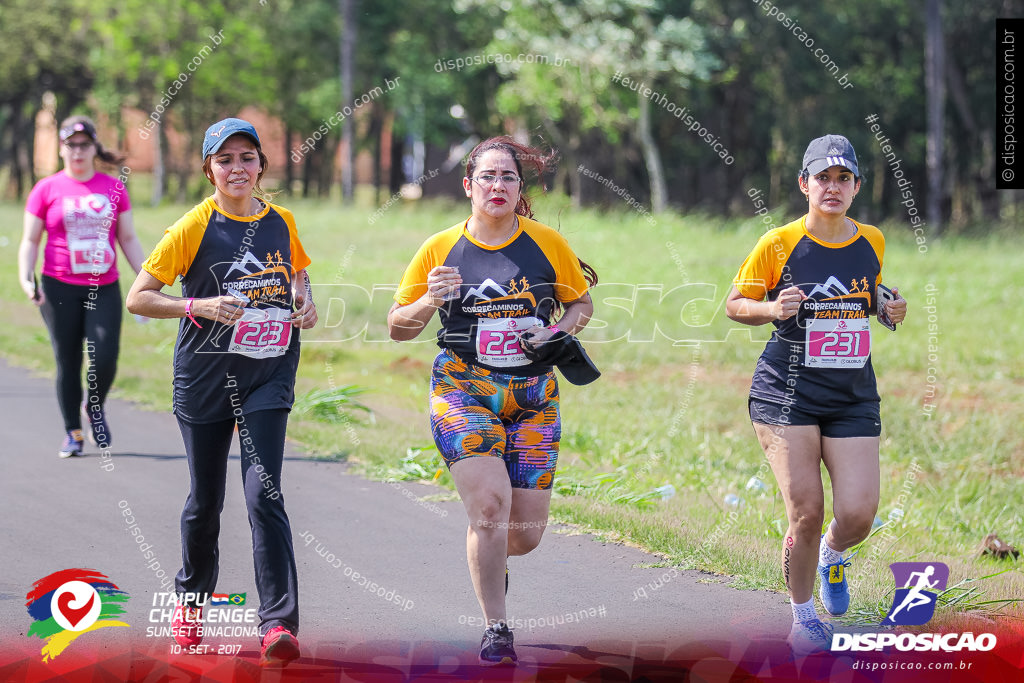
pixel 828 151
pixel 222 130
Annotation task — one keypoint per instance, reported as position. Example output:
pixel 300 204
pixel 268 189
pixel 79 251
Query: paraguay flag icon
pixel 918 585
pixel 69 603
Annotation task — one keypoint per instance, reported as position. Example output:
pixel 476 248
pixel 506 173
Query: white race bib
pixel 842 343
pixel 262 332
pixel 88 221
pixel 90 255
pixel 497 341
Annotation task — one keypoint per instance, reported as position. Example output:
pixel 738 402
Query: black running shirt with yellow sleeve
pixel 822 355
pixel 251 364
pixel 505 289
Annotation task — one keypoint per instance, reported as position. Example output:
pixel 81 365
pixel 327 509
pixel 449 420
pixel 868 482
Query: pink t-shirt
pixel 81 226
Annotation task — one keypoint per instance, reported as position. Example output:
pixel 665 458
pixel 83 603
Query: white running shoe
pixel 810 637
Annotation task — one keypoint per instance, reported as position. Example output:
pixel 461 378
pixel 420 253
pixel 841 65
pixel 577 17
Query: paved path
pixel 60 514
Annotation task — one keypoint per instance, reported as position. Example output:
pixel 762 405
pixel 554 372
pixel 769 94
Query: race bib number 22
pixel 497 341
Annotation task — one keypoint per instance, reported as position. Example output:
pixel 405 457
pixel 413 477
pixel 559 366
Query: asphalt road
pixel 413 617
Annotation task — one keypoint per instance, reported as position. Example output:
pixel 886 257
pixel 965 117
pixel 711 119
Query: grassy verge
pixel 670 408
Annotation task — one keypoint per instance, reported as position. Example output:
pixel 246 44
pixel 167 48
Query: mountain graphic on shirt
pixel 502 294
pixel 832 288
pixel 261 269
pixel 485 286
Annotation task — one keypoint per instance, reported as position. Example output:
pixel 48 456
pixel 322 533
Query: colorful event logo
pixel 68 603
pixel 914 603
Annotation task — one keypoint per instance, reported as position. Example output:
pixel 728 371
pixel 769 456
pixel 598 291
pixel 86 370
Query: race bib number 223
pixel 262 333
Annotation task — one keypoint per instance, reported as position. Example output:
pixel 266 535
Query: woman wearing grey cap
pixel 813 396
pixel 84 213
pixel 242 270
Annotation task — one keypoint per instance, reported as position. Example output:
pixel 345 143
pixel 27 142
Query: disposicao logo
pixel 913 604
pixel 69 603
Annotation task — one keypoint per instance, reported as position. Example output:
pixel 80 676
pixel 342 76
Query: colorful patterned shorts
pixel 477 412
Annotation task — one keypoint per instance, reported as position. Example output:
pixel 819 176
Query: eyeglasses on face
pixel 505 178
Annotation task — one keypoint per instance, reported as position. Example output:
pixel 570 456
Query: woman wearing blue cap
pixel 242 270
pixel 813 396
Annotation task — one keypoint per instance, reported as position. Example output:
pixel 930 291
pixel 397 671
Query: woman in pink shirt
pixel 83 213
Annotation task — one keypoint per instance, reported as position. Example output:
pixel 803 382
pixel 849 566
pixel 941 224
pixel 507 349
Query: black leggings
pixel 261 437
pixel 74 313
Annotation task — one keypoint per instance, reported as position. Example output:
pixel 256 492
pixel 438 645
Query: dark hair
pixel 103 154
pixel 264 163
pixel 537 162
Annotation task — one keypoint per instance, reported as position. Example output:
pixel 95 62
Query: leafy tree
pixel 43 45
pixel 590 48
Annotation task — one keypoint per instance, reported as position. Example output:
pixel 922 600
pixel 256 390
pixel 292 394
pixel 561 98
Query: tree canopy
pixel 688 104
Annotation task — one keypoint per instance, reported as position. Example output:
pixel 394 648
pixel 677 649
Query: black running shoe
pixel 99 431
pixel 496 646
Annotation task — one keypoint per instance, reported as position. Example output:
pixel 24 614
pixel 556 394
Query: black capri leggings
pixel 77 313
pixel 261 438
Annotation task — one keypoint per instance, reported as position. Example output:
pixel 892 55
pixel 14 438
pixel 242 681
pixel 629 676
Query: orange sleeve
pixel 300 259
pixel 570 284
pixel 876 239
pixel 173 254
pixel 431 254
pixel 758 274
pixel 762 269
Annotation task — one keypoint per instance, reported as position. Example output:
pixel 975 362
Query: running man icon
pixel 921 582
pixel 915 597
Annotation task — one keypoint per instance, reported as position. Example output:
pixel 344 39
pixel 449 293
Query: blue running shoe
pixel 810 637
pixel 834 592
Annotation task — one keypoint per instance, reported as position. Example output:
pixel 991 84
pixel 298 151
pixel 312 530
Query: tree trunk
pixel 396 176
pixel 159 172
pixel 289 170
pixel 376 133
pixel 652 157
pixel 347 57
pixel 17 172
pixel 935 86
pixel 307 173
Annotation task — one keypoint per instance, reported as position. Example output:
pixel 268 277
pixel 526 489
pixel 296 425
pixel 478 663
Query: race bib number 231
pixel 843 343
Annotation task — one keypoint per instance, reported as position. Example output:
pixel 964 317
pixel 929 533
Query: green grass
pixel 670 408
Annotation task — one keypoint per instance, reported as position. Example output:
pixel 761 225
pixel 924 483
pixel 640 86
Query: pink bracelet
pixel 554 328
pixel 188 313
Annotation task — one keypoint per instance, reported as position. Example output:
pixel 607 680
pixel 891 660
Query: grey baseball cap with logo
pixel 222 130
pixel 828 151
pixel 78 124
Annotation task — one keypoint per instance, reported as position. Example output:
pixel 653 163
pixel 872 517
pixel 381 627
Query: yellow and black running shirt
pixel 822 355
pixel 505 289
pixel 252 363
